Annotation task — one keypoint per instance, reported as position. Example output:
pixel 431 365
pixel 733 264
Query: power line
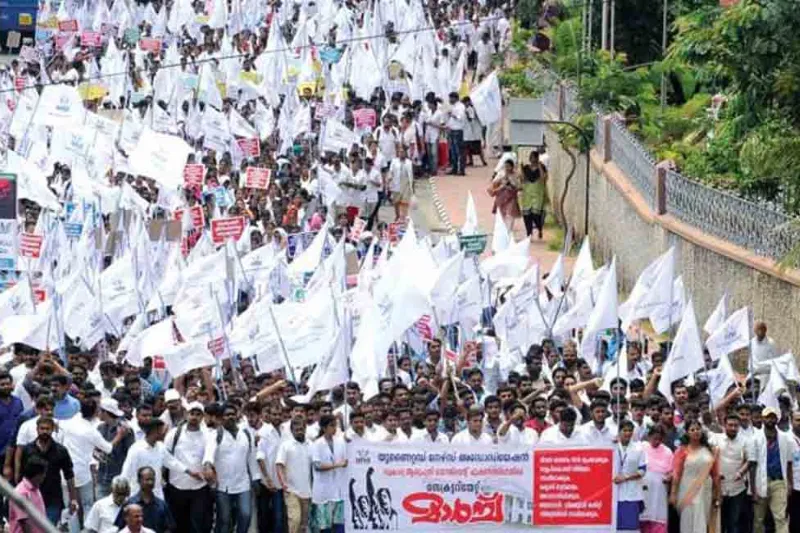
pixel 246 54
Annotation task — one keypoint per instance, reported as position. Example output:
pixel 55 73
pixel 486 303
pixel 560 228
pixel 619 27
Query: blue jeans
pixel 455 140
pixel 53 513
pixel 433 158
pixel 731 512
pixel 232 507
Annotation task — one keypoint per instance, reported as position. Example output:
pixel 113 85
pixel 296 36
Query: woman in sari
pixel 504 188
pixel 656 481
pixel 695 488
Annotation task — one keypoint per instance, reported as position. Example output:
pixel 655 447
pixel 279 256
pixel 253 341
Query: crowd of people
pixel 166 384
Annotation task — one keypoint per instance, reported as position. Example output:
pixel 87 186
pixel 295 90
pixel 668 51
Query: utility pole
pixel 604 26
pixel 611 29
pixel 663 56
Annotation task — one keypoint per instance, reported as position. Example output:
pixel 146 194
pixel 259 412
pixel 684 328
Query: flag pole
pixel 750 354
pixel 282 345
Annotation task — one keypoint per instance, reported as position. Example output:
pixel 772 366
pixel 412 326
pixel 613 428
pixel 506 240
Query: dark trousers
pixel 731 512
pixel 262 499
pixel 373 217
pixel 747 515
pixel 533 220
pixel 794 512
pixel 193 509
pixel 277 520
pixel 455 139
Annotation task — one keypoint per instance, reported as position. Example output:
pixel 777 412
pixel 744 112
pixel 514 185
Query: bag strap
pixel 178 432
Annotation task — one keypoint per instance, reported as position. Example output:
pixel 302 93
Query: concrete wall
pixel 621 223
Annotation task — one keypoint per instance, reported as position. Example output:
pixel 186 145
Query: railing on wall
pixel 754 227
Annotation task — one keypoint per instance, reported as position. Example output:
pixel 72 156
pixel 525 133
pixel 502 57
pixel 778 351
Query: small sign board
pixel 472 244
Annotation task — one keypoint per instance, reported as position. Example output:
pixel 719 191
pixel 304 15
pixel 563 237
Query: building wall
pixel 621 223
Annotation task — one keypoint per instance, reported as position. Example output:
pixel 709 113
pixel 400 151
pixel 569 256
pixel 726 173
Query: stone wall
pixel 621 223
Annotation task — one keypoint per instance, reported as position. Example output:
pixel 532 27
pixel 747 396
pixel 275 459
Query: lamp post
pixel 585 137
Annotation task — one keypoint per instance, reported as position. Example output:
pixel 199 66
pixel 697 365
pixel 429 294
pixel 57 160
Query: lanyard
pixel 622 457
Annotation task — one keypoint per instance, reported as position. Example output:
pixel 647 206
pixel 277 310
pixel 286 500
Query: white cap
pixel 110 405
pixel 195 406
pixel 171 395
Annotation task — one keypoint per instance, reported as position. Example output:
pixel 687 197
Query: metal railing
pixel 763 231
pixel 633 160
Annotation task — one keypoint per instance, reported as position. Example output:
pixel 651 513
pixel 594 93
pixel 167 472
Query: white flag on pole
pixel 604 315
pixel 686 356
pixel 470 226
pixel 775 386
pixel 186 356
pixel 732 335
pixel 718 316
pixel 501 238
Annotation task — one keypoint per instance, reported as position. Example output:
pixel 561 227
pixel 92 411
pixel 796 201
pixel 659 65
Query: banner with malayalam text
pixel 440 487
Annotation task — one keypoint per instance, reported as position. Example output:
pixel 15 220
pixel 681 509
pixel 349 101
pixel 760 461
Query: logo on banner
pixel 372 509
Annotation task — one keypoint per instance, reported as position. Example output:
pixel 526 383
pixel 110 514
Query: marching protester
pixel 222 316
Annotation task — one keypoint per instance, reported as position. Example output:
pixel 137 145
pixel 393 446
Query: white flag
pixel 487 100
pixel 501 238
pixel 686 356
pixel 161 157
pixel 59 106
pixel 470 226
pixel 732 335
pixel 720 379
pixel 774 387
pixel 718 316
pixel 640 291
pixel 17 300
pixel 186 356
pixel 603 317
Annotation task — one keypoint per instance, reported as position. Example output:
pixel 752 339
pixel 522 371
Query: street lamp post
pixel 587 141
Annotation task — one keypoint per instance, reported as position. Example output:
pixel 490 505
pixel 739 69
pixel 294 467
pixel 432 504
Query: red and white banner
pixel 223 229
pixel 257 178
pixel 193 175
pixel 249 147
pixel 445 487
pixel 197 214
pixel 92 39
pixel 30 245
pixel 150 45
pixel 364 118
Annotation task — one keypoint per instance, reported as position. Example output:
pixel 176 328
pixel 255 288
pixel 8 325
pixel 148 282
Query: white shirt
pixel 786 449
pixel 387 142
pixel 457 117
pixel 188 450
pixel 143 530
pixel 102 515
pixel 606 436
pixel 425 436
pixel 268 442
pixel 352 436
pixel 733 453
pixel 434 120
pixel 763 350
pixel 231 459
pixel 630 459
pixel 80 440
pixel 553 435
pixel 27 432
pixel 514 436
pixel 400 170
pixel 796 464
pixel 465 437
pixel 329 485
pixel 382 435
pixel 156 457
pixel 296 458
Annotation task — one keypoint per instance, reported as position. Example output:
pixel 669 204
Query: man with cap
pixel 189 499
pixel 774 453
pixel 174 413
pixel 111 427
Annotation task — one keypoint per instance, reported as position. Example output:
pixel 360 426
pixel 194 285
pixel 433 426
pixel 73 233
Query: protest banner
pixel 9 227
pixel 30 245
pixel 193 175
pixel 364 118
pixel 257 177
pixel 197 214
pixel 68 26
pixel 325 110
pixel 403 487
pixel 223 229
pixel 149 44
pixel 573 488
pixel 249 147
pixel 91 39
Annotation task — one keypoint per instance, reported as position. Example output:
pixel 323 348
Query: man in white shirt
pixel 189 498
pixel 794 497
pixel 632 463
pixel 269 440
pixel 226 462
pixel 600 429
pixel 174 413
pixel 456 121
pixel 151 452
pixel 762 347
pixel 104 512
pixel 389 432
pixel 293 464
pixel 564 433
pixel 774 457
pixel 388 139
pixel 80 439
pixel 134 520
pixel 474 433
pixel 431 432
pixel 513 430
pixel 734 464
pixel 401 186
pixel 357 430
pixel 433 121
